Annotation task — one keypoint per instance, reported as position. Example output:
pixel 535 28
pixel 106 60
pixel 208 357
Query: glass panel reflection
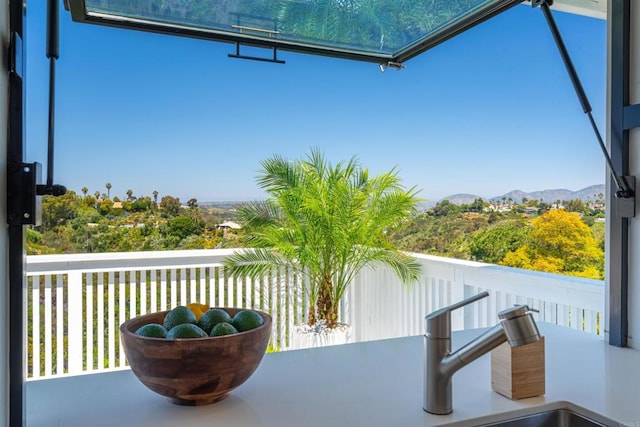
pixel 372 27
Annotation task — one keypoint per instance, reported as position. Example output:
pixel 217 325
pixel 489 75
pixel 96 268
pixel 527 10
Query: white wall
pixel 4 252
pixel 634 143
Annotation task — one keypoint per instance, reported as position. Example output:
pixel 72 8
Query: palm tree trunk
pixel 327 310
pixel 312 316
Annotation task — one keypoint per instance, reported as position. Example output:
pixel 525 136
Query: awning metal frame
pixel 79 13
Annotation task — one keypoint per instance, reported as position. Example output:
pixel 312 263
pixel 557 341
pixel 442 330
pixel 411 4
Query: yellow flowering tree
pixel 559 242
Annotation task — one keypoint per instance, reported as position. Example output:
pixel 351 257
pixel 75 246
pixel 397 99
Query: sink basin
pixel 554 414
pixel 555 418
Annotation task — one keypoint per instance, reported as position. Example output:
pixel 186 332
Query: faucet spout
pixel 516 326
pixel 480 346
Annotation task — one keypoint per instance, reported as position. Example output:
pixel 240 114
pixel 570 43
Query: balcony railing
pixel 75 303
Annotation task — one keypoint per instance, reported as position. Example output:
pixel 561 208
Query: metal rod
pixel 256 58
pixel 52 54
pixel 50 141
pixel 624 189
pixel 564 53
pixel 52 29
pixel 621 182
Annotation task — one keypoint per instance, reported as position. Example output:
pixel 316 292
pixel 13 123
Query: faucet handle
pixel 517 310
pixel 439 321
pixel 457 305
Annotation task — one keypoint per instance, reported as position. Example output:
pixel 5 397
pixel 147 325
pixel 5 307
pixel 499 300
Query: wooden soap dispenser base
pixel 518 372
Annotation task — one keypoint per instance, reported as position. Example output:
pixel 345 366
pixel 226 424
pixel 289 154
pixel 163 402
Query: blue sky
pixel 489 111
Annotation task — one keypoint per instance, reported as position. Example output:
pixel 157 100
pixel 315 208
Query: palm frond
pixel 256 263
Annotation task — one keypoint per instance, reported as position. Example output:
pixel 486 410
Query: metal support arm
pixel 625 193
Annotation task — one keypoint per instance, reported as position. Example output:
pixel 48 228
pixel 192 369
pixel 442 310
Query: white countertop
pixel 376 383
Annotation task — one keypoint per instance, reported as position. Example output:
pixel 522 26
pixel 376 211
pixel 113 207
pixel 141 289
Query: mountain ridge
pixel 591 192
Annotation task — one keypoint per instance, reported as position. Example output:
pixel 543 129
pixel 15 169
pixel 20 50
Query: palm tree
pixel 84 190
pixel 155 197
pixel 324 223
pixel 108 185
pixel 97 194
pixel 129 195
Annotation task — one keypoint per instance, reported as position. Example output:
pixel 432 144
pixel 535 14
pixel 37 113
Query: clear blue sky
pixel 487 112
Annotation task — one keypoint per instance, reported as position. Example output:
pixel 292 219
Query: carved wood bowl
pixel 196 371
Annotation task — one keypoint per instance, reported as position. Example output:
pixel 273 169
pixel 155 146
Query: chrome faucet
pixel 516 326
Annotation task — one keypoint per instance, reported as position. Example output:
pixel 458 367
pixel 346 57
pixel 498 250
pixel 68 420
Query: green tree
pixel 105 207
pixel 170 206
pixel 108 186
pixel 324 223
pixel 445 207
pixel 493 243
pixel 141 204
pixel 476 206
pixel 58 210
pixel 35 244
pixel 182 226
pixel 598 230
pixel 576 205
pixel 444 235
pixel 84 190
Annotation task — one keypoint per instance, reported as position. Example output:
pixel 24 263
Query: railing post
pixel 74 322
pixel 457 294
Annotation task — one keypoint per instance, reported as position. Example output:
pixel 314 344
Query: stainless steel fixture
pixel 559 418
pixel 557 414
pixel 516 326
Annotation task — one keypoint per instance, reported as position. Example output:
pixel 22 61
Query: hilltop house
pixel 229 225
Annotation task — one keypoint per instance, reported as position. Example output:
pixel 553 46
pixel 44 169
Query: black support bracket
pixel 273 59
pixel 24 207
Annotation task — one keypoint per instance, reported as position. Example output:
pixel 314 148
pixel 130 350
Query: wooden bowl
pixel 196 371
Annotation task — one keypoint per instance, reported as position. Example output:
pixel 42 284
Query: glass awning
pixel 370 30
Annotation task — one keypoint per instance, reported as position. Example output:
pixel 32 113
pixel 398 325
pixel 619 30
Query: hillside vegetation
pixel 562 237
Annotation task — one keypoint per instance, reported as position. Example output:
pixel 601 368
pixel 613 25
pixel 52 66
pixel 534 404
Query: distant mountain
pixel 462 198
pixel 592 192
pixel 547 196
pixel 550 196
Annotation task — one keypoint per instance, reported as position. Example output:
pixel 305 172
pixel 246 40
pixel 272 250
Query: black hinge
pixel 23 205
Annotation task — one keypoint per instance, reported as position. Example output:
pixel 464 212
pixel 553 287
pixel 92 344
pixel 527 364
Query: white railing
pixel 82 299
pixel 380 307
